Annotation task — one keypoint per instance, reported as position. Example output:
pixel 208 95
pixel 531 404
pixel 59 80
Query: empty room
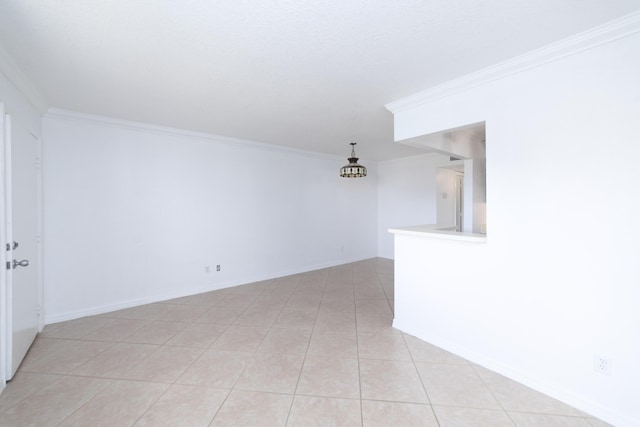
pixel 304 213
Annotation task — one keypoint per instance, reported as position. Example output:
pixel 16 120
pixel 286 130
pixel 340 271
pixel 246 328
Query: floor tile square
pixel 184 405
pixel 330 377
pixel 333 344
pixel 256 409
pixel 312 411
pixel 240 338
pixel 165 364
pixel 451 416
pixel 216 368
pixel 122 403
pixel 383 414
pixel 391 380
pixel 267 372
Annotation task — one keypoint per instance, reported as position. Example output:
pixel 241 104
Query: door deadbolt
pixel 23 263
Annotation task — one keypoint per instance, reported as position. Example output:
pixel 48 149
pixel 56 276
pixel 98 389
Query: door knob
pixel 23 263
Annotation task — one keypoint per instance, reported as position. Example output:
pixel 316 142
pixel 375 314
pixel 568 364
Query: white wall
pixel 134 214
pixel 446 206
pixel 406 195
pixel 558 279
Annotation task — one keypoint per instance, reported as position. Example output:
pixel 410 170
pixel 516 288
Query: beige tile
pixel 74 329
pixel 185 313
pixel 296 318
pixel 330 377
pixel 285 341
pixel 384 414
pixel 373 306
pixel 42 347
pixel 53 403
pixel 65 359
pixel 220 315
pixel 115 361
pixel 270 301
pixel 147 312
pixel 240 338
pixel 276 373
pixel 303 302
pixel 369 292
pixel 543 420
pixel 514 396
pixel 255 409
pixel 338 305
pixel 237 300
pixel 424 352
pixel 198 335
pixel 184 405
pixel 391 380
pixel 165 364
pixel 156 332
pixel 336 321
pixel 450 416
pixel 312 411
pixel 375 322
pixel 22 386
pixel 455 385
pixel 208 299
pixel 216 368
pixel 257 316
pixel 122 403
pixel 334 344
pixel 382 344
pixel 116 330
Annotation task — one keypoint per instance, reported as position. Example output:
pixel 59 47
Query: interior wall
pixel 557 280
pixel 446 197
pixel 134 214
pixel 406 195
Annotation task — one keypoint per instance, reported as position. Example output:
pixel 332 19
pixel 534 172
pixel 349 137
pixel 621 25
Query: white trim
pixel 183 292
pixel 13 73
pixel 56 113
pixel 613 30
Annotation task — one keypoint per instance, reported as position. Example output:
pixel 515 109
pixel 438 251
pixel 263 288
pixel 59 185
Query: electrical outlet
pixel 218 267
pixel 602 364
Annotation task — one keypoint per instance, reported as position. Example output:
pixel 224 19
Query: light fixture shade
pixel 353 169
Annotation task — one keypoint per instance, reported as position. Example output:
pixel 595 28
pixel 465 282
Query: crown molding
pixel 613 30
pixel 61 114
pixel 13 73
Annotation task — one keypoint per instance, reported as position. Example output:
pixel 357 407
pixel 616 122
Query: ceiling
pixel 308 74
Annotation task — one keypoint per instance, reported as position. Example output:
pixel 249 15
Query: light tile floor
pixel 313 349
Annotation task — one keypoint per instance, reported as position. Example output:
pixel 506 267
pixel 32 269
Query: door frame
pixel 5 129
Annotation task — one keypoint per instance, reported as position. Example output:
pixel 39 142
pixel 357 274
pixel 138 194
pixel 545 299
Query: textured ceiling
pixel 307 74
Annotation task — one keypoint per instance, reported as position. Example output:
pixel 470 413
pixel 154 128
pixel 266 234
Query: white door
pixel 21 216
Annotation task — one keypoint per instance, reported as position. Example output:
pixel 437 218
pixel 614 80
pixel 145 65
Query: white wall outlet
pixel 218 267
pixel 602 364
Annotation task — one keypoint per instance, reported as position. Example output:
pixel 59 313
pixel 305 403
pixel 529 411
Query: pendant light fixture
pixel 353 169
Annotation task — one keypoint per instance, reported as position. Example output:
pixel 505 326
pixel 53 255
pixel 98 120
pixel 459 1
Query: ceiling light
pixel 353 169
